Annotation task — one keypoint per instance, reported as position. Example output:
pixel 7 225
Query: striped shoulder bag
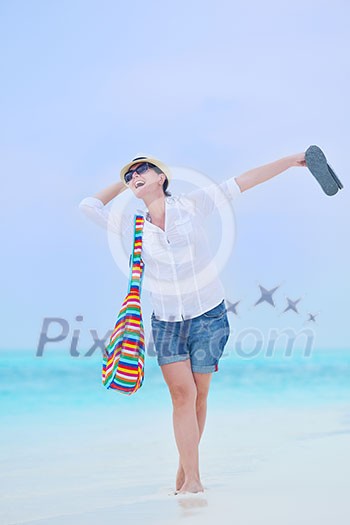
pixel 123 358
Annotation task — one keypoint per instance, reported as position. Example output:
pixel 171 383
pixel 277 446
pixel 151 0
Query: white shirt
pixel 179 265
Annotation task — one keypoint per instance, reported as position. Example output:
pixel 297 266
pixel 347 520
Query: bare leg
pixel 202 382
pixel 183 390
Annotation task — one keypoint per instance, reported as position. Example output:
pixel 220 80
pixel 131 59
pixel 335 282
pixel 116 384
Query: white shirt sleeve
pixel 96 211
pixel 206 200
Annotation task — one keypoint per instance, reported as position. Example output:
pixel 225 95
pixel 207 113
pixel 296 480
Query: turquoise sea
pixel 60 383
pixel 73 452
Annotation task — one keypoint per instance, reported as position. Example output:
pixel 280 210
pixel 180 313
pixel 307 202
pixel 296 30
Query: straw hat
pixel 143 158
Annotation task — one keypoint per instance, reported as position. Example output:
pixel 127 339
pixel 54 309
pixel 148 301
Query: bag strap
pixel 136 263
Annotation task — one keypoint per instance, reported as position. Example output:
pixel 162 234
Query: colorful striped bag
pixel 123 358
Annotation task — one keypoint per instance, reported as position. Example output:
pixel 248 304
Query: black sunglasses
pixel 139 170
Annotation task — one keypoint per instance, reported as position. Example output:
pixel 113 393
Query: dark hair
pixel 165 183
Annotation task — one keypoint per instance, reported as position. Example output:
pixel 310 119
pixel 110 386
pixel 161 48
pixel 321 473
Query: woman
pixel 189 320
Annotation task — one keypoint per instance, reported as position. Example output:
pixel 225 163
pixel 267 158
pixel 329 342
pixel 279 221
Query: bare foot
pixel 191 486
pixel 180 477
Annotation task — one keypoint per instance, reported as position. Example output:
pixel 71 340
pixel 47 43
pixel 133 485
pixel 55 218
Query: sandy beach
pixel 266 465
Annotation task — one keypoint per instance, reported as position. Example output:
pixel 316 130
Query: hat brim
pixel 165 169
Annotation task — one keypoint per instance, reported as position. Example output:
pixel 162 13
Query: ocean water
pixel 60 383
pixel 72 451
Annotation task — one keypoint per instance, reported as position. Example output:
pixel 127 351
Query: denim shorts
pixel 201 339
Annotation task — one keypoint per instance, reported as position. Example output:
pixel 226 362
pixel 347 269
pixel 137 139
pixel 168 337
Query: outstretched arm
pixel 251 178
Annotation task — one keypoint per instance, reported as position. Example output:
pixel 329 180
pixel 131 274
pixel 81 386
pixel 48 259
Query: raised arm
pixel 96 210
pixel 251 178
pixel 110 192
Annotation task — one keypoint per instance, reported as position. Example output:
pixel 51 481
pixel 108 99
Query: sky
pixel 219 87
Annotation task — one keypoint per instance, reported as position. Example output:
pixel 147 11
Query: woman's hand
pixel 297 160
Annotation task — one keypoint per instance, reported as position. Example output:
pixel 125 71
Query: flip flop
pixel 317 164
